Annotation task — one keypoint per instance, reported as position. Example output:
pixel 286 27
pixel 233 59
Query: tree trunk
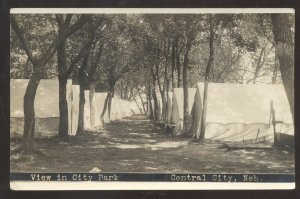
pixel 275 70
pixel 38 69
pixel 104 107
pixel 161 90
pixel 27 70
pixel 157 72
pixel 204 112
pixel 156 111
pixel 153 91
pixel 185 88
pixel 63 108
pixel 147 107
pixel 80 127
pixel 167 105
pixel 178 68
pixel 173 64
pixel 167 49
pixel 92 81
pixel 167 100
pixel 109 106
pixel 283 37
pixel 63 27
pixel 140 109
pixel 63 105
pixel 92 107
pixel 259 65
pixel 29 115
pixel 207 73
pixel 149 102
pixel 142 102
pixel 81 78
pixel 110 101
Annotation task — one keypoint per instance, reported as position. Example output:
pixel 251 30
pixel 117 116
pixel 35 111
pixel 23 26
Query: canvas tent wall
pixel 116 109
pixel 46 106
pixel 236 112
pixel 87 111
pixel 177 108
pixel 120 108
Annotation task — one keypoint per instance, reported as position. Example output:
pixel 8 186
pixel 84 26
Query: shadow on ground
pixel 136 144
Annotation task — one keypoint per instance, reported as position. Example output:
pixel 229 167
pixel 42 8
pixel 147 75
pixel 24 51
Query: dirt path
pixel 136 144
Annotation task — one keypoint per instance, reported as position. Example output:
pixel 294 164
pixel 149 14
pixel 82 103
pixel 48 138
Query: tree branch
pixel 82 52
pixel 22 39
pixel 68 19
pixel 59 20
pixel 72 29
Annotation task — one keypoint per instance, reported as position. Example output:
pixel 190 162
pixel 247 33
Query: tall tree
pixel 39 62
pixel 92 81
pixel 212 23
pixel 81 80
pixel 82 75
pixel 122 57
pixel 284 41
pixel 191 26
pixel 98 48
pixel 64 25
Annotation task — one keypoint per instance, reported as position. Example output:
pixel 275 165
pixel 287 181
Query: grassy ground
pixel 136 144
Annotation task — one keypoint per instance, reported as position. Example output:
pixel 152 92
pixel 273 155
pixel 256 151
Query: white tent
pixel 87 110
pixel 92 118
pixel 116 109
pixel 236 112
pixel 119 108
pixel 92 110
pixel 46 106
pixel 163 106
pixel 127 108
pixel 177 107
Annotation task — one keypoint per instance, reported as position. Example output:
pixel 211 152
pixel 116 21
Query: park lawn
pixel 136 144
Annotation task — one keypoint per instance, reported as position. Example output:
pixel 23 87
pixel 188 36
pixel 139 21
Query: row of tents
pixel 235 112
pixel 47 108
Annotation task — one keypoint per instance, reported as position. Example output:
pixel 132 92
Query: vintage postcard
pixel 151 99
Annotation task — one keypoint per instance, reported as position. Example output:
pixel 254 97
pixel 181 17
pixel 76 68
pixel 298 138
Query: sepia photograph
pixel 192 98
